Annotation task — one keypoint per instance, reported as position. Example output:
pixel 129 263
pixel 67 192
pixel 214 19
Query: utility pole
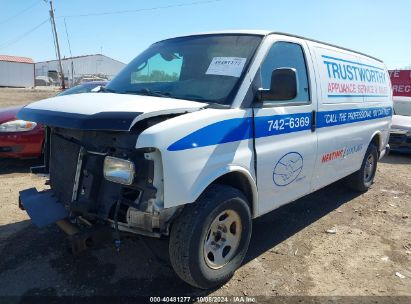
pixel 53 23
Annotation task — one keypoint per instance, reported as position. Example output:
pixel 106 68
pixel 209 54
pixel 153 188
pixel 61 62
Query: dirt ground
pixel 290 252
pixel 17 97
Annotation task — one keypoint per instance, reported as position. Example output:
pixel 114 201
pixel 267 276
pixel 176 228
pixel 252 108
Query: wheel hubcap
pixel 222 239
pixel 369 168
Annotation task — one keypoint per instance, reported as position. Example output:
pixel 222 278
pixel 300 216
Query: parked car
pixel 24 139
pixel 19 138
pixel 84 88
pixel 199 134
pixel 400 133
pixel 43 81
pixel 90 79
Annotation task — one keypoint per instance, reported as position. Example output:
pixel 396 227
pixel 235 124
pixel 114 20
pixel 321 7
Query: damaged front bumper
pixel 44 209
pixel 81 196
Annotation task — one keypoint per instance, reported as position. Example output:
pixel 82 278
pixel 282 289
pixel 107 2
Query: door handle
pixel 313 120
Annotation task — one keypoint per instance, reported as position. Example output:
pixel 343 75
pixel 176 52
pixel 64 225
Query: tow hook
pixel 67 227
pixel 79 241
pixel 90 238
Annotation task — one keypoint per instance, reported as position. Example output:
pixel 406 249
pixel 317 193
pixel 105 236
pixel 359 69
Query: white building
pixel 75 68
pixel 16 71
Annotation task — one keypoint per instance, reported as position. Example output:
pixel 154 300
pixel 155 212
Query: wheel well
pixel 239 181
pixel 376 141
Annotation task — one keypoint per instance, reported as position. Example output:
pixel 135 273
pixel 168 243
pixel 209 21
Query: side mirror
pixel 283 85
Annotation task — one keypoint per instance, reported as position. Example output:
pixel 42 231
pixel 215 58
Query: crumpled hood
pixel 103 111
pixel 401 122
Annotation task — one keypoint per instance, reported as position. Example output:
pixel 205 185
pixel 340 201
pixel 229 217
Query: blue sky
pixel 379 28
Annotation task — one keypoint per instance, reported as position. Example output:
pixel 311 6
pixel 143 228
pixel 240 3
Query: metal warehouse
pixel 80 67
pixel 16 71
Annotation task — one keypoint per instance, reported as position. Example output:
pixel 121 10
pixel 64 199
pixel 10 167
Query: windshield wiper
pixel 106 90
pixel 148 92
pixel 210 103
pixel 216 105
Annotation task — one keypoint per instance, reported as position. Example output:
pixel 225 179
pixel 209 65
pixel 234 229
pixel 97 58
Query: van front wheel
pixel 362 179
pixel 209 239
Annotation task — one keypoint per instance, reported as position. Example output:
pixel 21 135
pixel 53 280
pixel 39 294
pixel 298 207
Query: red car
pixel 24 139
pixel 19 138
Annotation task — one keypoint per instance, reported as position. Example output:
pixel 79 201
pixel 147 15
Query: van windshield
pixel 205 68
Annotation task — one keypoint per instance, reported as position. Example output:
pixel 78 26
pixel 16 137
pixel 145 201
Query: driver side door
pixel 285 137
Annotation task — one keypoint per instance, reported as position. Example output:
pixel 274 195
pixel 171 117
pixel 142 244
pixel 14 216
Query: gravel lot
pixel 16 97
pixel 290 252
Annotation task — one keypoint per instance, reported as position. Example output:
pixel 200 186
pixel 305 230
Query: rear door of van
pixel 378 96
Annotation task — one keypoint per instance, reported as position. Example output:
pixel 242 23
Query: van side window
pixel 286 55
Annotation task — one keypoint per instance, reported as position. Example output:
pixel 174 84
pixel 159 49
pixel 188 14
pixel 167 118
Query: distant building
pixel 16 71
pixel 96 66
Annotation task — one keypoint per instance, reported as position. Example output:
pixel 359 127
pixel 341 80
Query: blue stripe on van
pixel 221 132
pixel 282 124
pixel 342 117
pixel 236 129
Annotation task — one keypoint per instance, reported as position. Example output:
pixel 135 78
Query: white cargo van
pixel 199 134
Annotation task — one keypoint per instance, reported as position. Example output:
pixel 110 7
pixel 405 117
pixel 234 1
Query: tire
pixel 362 179
pixel 220 217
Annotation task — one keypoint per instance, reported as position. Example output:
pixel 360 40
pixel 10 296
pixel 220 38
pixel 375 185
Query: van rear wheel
pixel 362 179
pixel 210 238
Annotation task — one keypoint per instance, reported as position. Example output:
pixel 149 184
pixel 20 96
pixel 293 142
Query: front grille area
pixel 63 164
pixel 96 197
pixel 398 139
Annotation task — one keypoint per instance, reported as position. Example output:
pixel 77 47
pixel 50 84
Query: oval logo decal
pixel 288 168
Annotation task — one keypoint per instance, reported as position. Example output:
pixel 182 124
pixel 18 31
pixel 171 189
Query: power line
pixel 67 35
pixel 13 41
pixel 71 55
pixel 141 9
pixel 21 12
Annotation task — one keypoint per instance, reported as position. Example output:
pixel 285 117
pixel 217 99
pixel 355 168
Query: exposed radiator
pixel 63 163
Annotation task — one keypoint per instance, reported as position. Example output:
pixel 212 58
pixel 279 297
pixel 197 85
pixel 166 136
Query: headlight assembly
pixel 17 126
pixel 118 170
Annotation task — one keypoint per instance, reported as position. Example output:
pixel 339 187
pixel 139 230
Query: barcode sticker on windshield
pixel 226 66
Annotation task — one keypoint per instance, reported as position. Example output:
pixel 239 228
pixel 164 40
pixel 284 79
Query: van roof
pixel 266 33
